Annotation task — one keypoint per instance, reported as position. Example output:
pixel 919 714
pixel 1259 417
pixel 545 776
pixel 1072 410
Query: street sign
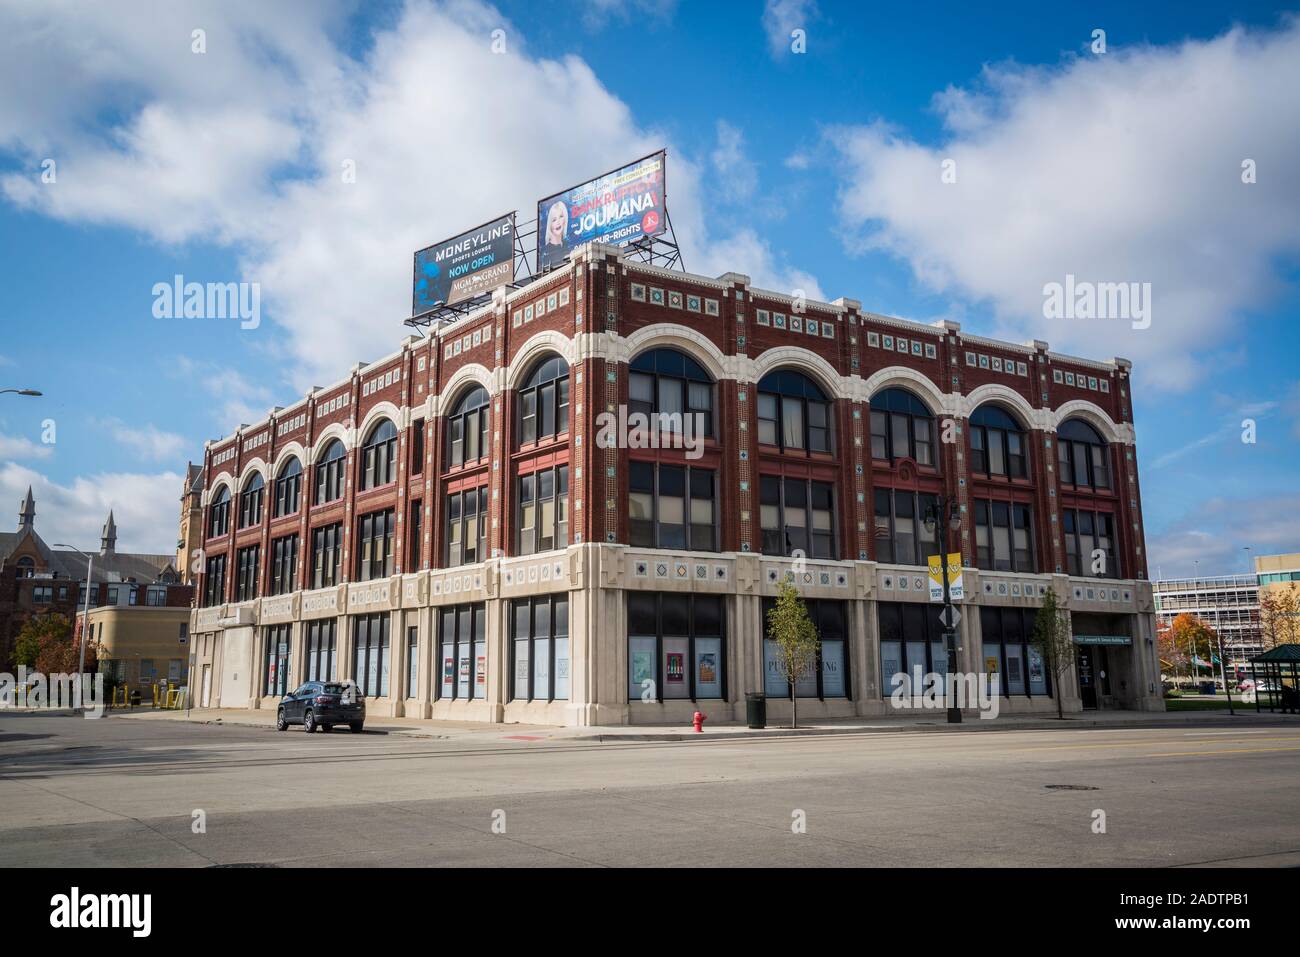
pixel 949 617
pixel 956 588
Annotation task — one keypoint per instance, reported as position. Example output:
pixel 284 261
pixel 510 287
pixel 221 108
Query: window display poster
pixel 708 669
pixel 463 674
pixel 708 665
pixel 1037 673
pixel 523 668
pixel 832 669
pixel 774 682
pixel 641 668
pixel 676 667
pixel 890 654
pixel 561 669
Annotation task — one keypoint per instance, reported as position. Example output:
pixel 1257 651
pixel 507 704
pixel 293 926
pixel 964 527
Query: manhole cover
pixel 1070 787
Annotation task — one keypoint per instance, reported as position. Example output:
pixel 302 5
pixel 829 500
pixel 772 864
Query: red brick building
pixel 448 526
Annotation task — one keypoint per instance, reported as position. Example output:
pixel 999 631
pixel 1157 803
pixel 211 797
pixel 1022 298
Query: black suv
pixel 322 704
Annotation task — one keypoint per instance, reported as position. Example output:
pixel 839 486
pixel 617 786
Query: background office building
pixel 446 527
pixel 1227 603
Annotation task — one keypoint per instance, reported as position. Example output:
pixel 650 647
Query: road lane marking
pixel 1199 754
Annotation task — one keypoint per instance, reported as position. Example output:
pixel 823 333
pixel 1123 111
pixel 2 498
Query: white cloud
pixel 148 440
pixel 18 448
pixel 276 110
pixel 238 400
pixel 1123 167
pixel 737 175
pixel 782 17
pixel 145 507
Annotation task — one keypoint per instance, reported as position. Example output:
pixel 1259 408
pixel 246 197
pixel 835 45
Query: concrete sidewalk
pixel 930 723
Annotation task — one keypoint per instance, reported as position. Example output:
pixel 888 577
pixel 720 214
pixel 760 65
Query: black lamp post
pixel 943 515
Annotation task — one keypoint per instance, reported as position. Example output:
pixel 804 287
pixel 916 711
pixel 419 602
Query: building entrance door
pixel 207 686
pixel 1087 679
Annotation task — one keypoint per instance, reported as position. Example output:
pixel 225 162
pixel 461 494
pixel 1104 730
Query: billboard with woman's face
pixel 617 208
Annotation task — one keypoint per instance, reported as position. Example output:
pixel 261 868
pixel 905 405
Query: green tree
pixel 36 633
pixel 795 637
pixel 1054 642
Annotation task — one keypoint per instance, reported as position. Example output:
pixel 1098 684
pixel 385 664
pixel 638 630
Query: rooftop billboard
pixel 465 266
pixel 617 208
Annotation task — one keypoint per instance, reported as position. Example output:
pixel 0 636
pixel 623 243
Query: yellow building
pixel 143 640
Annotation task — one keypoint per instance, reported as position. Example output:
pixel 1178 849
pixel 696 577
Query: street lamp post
pixel 945 514
pixel 85 620
pixel 33 392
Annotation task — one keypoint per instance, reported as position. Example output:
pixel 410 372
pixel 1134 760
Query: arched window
pixel 997 444
pixel 670 383
pixel 329 473
pixel 219 513
pixel 26 568
pixel 544 401
pixel 901 427
pixel 467 428
pixel 288 487
pixel 793 412
pixel 250 501
pixel 379 456
pixel 1084 456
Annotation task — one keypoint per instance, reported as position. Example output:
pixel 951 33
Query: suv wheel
pixel 355 727
pixel 280 723
pixel 309 722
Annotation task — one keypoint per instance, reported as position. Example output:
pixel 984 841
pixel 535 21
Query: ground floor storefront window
pixel 321 635
pixel 539 637
pixel 462 631
pixel 1009 652
pixel 275 671
pixel 370 655
pixel 829 677
pixel 911 638
pixel 675 646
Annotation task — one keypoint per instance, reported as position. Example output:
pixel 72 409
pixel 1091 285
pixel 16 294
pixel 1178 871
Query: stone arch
pixel 805 361
pixel 672 336
pixel 901 377
pixel 1091 413
pixel 544 342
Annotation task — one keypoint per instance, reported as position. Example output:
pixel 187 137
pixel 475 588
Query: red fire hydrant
pixel 699 719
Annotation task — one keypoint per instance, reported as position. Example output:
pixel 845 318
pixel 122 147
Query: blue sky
pixel 814 170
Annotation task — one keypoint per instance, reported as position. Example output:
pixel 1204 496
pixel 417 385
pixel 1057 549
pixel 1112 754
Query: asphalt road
pixel 125 792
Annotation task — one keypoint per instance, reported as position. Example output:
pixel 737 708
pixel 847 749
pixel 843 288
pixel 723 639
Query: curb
pixel 975 726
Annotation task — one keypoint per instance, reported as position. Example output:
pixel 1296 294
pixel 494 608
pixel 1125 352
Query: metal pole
pixel 1223 670
pixel 950 634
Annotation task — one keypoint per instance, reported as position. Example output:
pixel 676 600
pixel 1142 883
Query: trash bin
pixel 756 709
pixel 1208 687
